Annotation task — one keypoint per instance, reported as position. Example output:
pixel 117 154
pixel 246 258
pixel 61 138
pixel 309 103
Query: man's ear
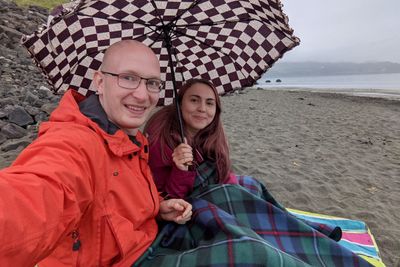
pixel 98 79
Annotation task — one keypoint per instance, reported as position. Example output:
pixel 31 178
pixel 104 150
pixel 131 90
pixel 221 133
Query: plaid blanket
pixel 242 225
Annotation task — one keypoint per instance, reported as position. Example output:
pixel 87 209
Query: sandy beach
pixel 328 153
pixel 322 152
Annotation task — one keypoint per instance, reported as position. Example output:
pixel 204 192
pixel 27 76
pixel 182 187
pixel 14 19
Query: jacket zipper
pixel 146 177
pixel 76 246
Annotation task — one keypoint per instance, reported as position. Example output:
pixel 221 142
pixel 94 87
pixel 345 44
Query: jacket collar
pixel 91 108
pixel 76 108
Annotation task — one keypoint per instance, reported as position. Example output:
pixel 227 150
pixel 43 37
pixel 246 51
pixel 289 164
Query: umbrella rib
pixel 195 3
pixel 115 19
pixel 158 15
pixel 212 23
pixel 167 28
pixel 171 23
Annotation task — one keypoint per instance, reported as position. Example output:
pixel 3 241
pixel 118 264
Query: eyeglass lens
pixel 131 81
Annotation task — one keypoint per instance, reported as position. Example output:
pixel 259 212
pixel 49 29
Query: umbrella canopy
pixel 232 43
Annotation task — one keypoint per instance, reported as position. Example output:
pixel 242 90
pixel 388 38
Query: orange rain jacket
pixel 77 196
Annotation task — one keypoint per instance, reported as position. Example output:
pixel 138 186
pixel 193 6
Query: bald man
pixel 82 193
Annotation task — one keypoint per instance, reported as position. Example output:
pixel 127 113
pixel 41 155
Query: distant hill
pixel 287 69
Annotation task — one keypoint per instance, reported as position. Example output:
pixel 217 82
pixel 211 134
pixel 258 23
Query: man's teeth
pixel 135 108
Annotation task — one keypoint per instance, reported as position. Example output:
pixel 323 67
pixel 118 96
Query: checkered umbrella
pixel 230 42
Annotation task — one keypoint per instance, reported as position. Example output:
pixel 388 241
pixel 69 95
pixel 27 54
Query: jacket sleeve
pixel 168 178
pixel 43 194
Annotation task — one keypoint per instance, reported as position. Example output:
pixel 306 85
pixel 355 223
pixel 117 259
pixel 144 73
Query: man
pixel 82 193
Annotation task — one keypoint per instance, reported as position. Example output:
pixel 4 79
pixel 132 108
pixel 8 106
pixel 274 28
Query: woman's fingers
pixel 187 157
pixel 182 156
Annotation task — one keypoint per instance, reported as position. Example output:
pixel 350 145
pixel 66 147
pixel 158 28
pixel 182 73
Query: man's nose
pixel 141 92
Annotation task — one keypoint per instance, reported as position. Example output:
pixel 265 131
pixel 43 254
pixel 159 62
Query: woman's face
pixel 198 107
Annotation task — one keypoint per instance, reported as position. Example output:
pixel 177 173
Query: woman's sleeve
pixel 168 178
pixel 180 183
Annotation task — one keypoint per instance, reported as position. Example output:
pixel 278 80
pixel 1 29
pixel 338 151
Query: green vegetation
pixel 42 3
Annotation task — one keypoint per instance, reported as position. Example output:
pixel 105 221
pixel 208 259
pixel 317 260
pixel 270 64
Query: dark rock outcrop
pixel 25 97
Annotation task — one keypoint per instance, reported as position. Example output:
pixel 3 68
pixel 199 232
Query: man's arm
pixel 42 197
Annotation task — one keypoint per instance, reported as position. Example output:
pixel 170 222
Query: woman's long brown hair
pixel 211 141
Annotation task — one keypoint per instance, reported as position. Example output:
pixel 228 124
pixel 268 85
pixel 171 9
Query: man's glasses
pixel 132 81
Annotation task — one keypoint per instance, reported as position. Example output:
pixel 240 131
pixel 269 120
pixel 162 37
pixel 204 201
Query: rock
pixel 3 138
pixel 6 101
pixel 14 144
pixel 33 111
pixel 44 92
pixel 23 88
pixel 48 107
pixel 30 98
pixel 19 116
pixel 42 116
pixel 3 114
pixel 12 131
pixel 10 33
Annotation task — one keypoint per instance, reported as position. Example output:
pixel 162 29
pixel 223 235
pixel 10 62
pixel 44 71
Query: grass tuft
pixel 49 4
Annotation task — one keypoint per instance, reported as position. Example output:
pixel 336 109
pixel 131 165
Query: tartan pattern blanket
pixel 242 225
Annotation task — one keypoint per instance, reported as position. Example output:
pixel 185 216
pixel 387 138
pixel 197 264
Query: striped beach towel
pixel 356 236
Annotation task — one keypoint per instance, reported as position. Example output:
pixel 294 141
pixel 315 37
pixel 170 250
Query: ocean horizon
pixel 374 85
pixel 364 81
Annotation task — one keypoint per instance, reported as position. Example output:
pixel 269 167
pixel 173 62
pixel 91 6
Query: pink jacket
pixel 168 178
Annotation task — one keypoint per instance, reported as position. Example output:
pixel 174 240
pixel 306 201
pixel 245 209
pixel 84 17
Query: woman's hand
pixel 177 210
pixel 183 156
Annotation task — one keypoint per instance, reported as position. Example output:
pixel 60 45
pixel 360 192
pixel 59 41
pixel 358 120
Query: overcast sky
pixel 344 30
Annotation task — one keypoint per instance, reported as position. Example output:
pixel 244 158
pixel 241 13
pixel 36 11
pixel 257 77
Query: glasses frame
pixel 118 75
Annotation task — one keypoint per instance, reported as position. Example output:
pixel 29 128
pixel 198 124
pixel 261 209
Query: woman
pixel 172 162
pixel 235 219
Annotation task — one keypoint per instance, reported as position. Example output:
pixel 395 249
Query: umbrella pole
pixel 177 105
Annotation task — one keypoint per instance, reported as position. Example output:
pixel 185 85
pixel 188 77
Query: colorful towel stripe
pixel 356 236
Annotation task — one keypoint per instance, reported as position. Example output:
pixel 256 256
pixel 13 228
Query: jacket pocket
pixel 110 248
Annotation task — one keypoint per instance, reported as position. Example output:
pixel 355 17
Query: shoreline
pixel 390 94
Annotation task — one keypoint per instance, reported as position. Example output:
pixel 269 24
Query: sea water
pixel 380 85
